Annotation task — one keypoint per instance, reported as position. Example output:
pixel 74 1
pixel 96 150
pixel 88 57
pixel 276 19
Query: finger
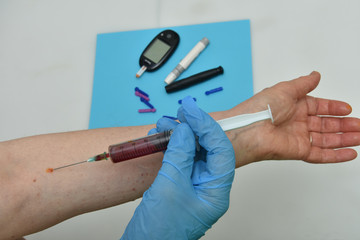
pixel 163 124
pixel 220 153
pixel 333 124
pixel 153 131
pixel 179 156
pixel 318 155
pixel 319 106
pixel 301 86
pixel 332 140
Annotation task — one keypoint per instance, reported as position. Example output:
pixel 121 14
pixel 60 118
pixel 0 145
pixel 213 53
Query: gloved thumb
pixel 179 156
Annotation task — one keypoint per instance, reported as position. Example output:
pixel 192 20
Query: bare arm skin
pixel 28 192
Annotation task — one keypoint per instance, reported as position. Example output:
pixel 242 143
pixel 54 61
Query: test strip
pixel 141 71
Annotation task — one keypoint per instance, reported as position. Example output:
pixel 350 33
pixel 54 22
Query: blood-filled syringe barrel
pixel 139 147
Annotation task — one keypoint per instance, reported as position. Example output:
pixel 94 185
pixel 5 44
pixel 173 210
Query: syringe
pixel 158 142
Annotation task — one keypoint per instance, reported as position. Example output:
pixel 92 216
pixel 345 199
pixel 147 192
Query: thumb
pixel 304 85
pixel 220 159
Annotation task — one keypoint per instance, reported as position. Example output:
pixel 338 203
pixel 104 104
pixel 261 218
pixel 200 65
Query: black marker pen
pixel 194 79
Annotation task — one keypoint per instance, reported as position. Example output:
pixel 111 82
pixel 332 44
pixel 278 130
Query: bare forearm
pixel 28 192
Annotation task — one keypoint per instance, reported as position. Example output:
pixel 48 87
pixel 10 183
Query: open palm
pixel 305 128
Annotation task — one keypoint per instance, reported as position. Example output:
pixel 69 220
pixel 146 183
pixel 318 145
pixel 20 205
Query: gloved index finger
pixel 162 125
pixel 220 153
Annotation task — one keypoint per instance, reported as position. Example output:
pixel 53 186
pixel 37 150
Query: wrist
pixel 247 141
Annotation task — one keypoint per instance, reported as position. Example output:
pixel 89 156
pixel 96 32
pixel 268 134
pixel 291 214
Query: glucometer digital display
pixel 158 51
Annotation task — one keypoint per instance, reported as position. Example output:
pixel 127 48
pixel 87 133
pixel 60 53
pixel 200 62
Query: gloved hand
pixel 187 197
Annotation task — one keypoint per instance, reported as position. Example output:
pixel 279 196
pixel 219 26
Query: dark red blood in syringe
pixel 101 156
pixel 139 147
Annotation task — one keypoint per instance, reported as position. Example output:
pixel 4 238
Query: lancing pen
pixel 194 79
pixel 189 58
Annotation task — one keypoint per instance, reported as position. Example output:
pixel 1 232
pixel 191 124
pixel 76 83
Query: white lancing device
pixel 187 60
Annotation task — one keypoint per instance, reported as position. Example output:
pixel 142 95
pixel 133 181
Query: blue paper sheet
pixel 117 61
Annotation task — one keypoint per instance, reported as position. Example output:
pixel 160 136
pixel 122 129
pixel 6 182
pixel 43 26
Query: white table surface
pixel 47 52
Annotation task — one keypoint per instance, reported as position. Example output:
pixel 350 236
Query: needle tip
pixel 49 170
pixel 92 159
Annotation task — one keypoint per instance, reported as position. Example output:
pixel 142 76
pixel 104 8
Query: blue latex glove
pixel 187 197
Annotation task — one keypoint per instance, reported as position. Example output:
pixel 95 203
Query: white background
pixel 47 52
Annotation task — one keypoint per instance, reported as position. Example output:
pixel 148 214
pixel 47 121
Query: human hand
pixel 305 128
pixel 187 197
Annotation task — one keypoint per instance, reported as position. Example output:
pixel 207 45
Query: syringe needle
pixel 69 165
pixel 99 157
